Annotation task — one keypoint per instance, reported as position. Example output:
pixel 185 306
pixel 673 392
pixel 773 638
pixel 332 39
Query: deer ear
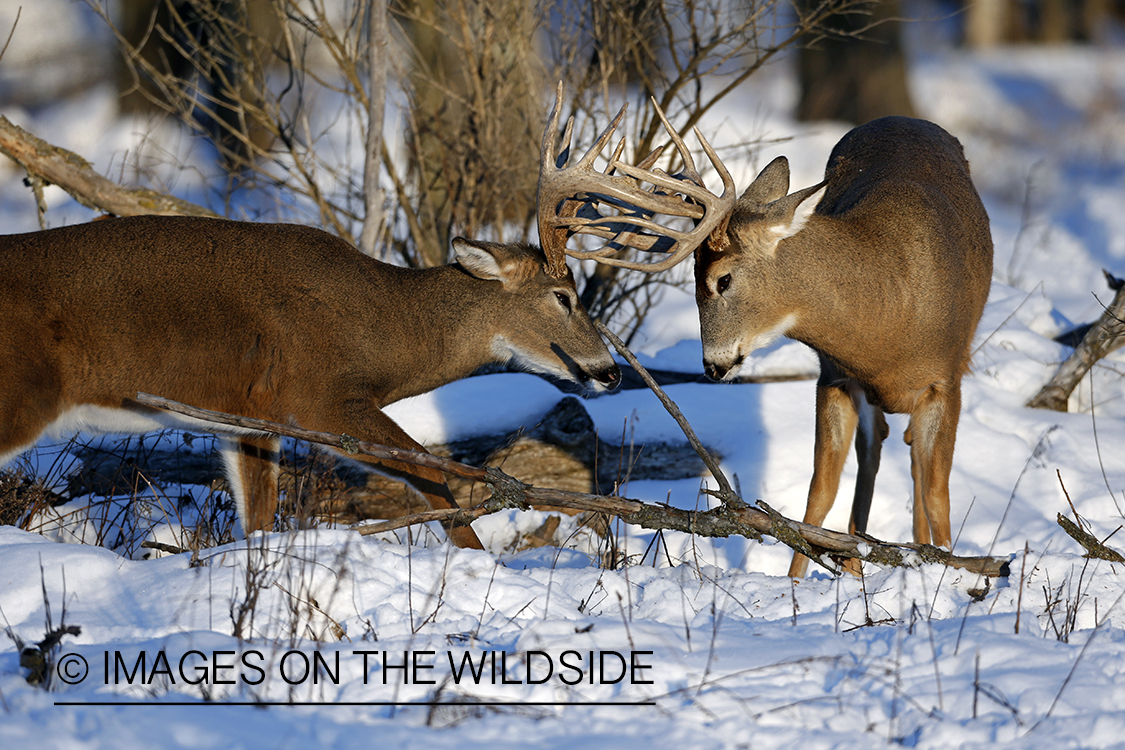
pixel 478 259
pixel 788 215
pixel 771 184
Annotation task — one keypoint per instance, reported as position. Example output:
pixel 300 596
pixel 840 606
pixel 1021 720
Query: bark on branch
pixel 821 545
pixel 46 163
pixel 1094 547
pixel 1106 335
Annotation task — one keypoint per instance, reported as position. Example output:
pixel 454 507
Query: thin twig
pixel 11 33
pixel 725 493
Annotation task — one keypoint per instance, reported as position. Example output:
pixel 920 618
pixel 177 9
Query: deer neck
pixel 822 276
pixel 445 316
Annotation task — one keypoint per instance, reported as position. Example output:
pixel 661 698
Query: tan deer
pixel 883 269
pixel 275 321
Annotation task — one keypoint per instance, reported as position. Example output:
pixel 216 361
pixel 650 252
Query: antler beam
pixel 569 196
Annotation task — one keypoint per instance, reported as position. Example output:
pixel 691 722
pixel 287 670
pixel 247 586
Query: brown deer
pixel 883 269
pixel 275 321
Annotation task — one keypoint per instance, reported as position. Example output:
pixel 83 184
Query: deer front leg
pixel 931 436
pixel 370 424
pixel 252 467
pixel 836 419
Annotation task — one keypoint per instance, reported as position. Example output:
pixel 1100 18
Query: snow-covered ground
pixel 697 643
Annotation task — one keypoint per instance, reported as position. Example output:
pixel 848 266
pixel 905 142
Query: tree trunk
pixel 858 73
pixel 987 23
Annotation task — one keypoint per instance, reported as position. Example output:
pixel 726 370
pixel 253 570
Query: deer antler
pixel 569 196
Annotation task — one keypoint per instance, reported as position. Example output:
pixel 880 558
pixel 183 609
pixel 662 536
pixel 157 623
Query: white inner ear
pixel 477 260
pixel 800 216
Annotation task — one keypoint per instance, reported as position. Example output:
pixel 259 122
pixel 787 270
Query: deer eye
pixel 563 300
pixel 723 283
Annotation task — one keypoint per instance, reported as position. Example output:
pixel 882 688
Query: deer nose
pixel 610 377
pixel 607 378
pixel 715 371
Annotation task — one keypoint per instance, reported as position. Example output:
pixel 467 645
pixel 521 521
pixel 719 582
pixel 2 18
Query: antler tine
pixel 568 196
pixel 689 164
pixel 564 152
pixel 587 160
pixel 551 236
pixel 649 160
pixel 560 186
pixel 550 133
pixel 616 155
pixel 718 230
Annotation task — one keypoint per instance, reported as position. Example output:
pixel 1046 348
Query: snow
pixel 735 653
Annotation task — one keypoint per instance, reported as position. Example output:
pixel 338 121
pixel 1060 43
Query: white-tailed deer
pixel 883 269
pixel 280 322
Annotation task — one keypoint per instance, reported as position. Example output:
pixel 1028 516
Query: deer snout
pixel 720 370
pixel 607 377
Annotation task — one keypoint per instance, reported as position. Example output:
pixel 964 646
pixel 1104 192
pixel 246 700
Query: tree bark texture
pixel 50 164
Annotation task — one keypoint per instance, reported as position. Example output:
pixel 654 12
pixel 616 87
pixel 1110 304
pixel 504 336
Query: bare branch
pixel 725 493
pixel 75 175
pixel 508 492
pixel 374 217
pixel 1094 547
pixel 1105 336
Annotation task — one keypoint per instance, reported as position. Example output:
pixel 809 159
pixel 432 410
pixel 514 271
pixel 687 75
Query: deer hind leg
pixel 871 431
pixel 252 467
pixel 371 424
pixel 836 420
pixel 931 437
pixel 870 434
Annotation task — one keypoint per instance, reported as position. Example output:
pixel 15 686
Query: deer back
pixel 218 313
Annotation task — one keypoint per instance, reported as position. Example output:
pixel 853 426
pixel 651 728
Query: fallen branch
pixel 1094 547
pixel 1104 336
pixel 821 545
pixel 171 549
pixel 45 163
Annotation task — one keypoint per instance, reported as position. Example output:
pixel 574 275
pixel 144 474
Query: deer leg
pixel 252 466
pixel 836 419
pixel 870 434
pixel 370 424
pixel 29 404
pixel 931 436
pixel 871 431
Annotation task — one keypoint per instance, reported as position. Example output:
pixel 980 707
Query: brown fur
pixel 280 322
